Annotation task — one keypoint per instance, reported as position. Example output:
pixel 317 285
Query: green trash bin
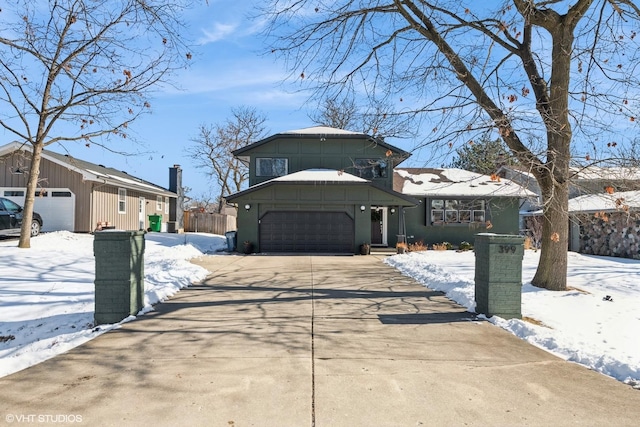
pixel 155 222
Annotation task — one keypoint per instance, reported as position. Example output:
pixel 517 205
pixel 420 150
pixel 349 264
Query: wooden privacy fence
pixel 204 222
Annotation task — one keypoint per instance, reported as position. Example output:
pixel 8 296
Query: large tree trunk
pixel 552 268
pixel 554 177
pixel 32 183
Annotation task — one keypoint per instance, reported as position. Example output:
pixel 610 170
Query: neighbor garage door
pixel 56 206
pixel 327 232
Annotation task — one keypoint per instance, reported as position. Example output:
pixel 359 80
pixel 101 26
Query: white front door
pixel 141 210
pixel 385 213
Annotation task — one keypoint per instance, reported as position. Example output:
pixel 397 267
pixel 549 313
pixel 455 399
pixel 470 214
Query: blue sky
pixel 228 70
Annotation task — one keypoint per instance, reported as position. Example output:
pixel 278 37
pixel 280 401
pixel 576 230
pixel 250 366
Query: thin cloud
pixel 230 76
pixel 256 26
pixel 219 31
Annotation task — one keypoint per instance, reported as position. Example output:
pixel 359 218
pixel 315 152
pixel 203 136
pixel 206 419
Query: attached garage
pixel 306 231
pixel 312 211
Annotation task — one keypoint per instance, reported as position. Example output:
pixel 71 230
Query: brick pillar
pixel 498 274
pixel 119 281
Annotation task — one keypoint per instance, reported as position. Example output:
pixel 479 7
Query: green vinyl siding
pixel 310 152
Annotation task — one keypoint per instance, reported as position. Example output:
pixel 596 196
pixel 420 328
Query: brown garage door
pixel 325 232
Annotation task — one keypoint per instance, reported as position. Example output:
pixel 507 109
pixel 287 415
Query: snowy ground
pixel 47 291
pixel 579 325
pixel 47 302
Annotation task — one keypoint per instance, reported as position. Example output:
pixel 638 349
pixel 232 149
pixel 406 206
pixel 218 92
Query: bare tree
pixel 212 149
pixel 339 114
pixel 630 156
pixel 376 117
pixel 79 70
pixel 528 70
pixel 204 200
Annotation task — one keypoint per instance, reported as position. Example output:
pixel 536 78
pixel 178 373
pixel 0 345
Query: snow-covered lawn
pixel 581 325
pixel 47 301
pixel 47 291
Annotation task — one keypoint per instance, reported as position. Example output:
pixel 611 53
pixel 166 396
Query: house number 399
pixel 507 249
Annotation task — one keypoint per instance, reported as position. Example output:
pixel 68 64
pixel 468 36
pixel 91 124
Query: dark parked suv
pixel 11 218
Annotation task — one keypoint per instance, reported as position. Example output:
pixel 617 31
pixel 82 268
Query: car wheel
pixel 35 228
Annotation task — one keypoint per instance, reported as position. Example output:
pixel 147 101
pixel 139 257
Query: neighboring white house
pixel 605 202
pixel 606 224
pixel 584 180
pixel 607 221
pixel 588 193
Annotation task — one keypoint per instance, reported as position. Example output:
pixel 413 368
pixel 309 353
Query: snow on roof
pixel 134 182
pixel 322 130
pixel 89 171
pixel 456 182
pixel 586 173
pixel 97 174
pixel 605 173
pixel 319 175
pixel 605 201
pixel 514 170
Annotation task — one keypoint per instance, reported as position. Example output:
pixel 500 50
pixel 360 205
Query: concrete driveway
pixel 311 341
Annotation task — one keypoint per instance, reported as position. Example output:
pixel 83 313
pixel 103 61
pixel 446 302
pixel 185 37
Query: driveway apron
pixel 311 341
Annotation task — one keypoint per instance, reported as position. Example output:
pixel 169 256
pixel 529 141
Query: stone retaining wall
pixel 610 234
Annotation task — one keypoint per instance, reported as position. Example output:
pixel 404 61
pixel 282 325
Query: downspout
pixel 403 223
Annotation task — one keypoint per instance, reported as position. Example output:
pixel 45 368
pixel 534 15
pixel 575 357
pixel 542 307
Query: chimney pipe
pixel 176 213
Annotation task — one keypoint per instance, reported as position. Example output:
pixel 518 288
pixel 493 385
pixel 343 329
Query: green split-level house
pixel 328 190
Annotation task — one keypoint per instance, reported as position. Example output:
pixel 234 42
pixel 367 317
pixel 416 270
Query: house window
pixel 122 200
pixel 14 194
pixel 370 168
pixel 159 203
pixel 271 166
pixel 166 205
pixel 457 211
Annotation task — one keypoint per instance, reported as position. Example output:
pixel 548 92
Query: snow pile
pixel 47 291
pixel 596 323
